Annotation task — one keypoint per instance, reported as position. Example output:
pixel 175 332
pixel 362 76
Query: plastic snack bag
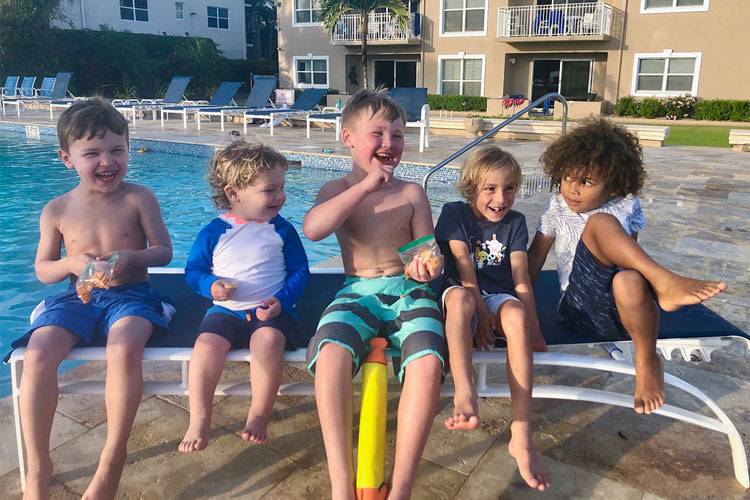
pixel 425 247
pixel 96 274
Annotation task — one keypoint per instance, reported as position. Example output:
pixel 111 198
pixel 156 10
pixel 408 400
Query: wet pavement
pixel 697 201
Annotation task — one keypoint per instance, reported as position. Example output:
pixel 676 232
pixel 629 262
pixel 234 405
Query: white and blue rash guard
pixel 266 258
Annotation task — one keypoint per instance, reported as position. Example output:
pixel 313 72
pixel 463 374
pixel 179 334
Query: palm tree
pixel 331 11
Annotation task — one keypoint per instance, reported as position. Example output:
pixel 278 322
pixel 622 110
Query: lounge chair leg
pixel 198 120
pixel 271 127
pixel 308 127
pixel 244 124
pixel 184 120
pixel 421 139
pixel 222 119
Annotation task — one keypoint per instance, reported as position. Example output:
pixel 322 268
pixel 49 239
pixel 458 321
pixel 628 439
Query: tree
pixel 331 12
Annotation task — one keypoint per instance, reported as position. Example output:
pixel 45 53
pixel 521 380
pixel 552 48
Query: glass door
pixel 390 73
pixel 572 79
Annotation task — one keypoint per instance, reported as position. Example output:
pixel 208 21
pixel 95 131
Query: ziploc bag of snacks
pixel 425 247
pixel 96 274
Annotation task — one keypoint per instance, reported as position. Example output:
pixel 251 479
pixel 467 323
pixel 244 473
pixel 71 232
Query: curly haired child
pixel 251 262
pixel 612 289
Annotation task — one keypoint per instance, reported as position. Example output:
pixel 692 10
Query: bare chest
pixel 96 230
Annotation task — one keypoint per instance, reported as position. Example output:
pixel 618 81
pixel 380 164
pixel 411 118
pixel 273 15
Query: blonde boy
pixel 487 289
pixel 373 213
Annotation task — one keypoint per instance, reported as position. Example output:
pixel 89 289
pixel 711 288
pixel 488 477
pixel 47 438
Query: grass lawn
pixel 696 135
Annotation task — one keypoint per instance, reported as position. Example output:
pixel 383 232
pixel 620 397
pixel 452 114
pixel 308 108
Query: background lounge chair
pixel 222 97
pixel 10 89
pixel 414 102
pixel 302 106
pixel 175 94
pixel 27 87
pixel 56 95
pixel 259 98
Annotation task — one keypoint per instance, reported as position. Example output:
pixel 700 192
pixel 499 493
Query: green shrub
pixel 652 108
pixel 627 106
pixel 457 102
pixel 722 109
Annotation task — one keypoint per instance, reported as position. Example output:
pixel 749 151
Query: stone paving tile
pixel 713 249
pixel 10 486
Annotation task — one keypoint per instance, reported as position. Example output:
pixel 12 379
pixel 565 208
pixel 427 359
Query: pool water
pixel 32 175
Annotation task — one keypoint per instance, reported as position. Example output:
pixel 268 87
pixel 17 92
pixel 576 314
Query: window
pixel 462 75
pixel 134 10
pixel 311 71
pixel 659 6
pixel 179 10
pixel 666 73
pixel 218 17
pixel 463 16
pixel 306 12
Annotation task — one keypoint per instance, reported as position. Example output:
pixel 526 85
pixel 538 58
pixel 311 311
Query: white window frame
pixel 666 54
pixel 179 12
pixel 134 9
pixel 674 8
pixel 463 33
pixel 313 3
pixel 218 17
pixel 462 56
pixel 311 57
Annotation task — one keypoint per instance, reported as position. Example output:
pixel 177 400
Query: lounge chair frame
pixel 223 95
pixel 302 107
pixel 259 98
pixel 621 363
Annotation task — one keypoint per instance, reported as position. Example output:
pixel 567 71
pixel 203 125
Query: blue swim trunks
pixel 588 305
pixel 403 311
pixel 235 327
pixel 91 322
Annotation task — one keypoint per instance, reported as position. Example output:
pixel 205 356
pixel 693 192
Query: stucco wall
pixel 161 18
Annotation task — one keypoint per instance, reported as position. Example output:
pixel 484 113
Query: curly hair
pixel 479 163
pixel 239 164
pixel 375 101
pixel 597 146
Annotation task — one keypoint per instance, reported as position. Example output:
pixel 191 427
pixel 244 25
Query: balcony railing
pixel 381 26
pixel 590 19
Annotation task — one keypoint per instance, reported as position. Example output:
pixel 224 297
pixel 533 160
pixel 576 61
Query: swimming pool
pixel 32 175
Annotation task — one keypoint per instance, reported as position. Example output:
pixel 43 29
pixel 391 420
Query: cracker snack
pixel 425 247
pixel 96 274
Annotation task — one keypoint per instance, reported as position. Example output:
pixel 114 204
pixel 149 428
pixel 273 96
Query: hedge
pixel 684 107
pixel 457 102
pixel 121 64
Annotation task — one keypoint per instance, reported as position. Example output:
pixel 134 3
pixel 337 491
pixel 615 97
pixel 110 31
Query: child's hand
pixel 423 270
pixel 77 263
pixel 486 327
pixel 270 308
pixel 123 262
pixel 538 344
pixel 223 289
pixel 377 178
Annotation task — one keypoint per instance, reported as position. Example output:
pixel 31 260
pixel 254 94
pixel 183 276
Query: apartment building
pixel 586 50
pixel 223 21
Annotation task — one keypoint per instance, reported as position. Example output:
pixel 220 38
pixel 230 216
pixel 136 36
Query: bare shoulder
pixel 332 188
pixel 55 208
pixel 138 191
pixel 413 191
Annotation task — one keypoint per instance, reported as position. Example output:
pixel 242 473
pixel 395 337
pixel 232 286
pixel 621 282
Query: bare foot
pixel 256 429
pixel 649 384
pixel 465 413
pixel 37 481
pixel 679 291
pixel 196 437
pixel 106 479
pixel 529 466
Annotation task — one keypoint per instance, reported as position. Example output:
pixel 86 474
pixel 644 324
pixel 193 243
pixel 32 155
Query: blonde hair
pixel 374 101
pixel 480 162
pixel 239 164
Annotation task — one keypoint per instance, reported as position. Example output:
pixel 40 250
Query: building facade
pixel 586 50
pixel 223 21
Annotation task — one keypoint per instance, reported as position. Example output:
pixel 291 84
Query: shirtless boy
pixel 373 213
pixel 102 215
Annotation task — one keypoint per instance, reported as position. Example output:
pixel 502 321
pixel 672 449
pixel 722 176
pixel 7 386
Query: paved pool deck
pixel 697 201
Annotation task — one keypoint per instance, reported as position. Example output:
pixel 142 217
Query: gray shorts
pixel 492 301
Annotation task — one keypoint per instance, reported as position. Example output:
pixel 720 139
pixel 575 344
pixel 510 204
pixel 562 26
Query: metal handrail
pixel 553 96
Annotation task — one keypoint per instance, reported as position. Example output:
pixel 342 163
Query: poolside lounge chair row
pixel 53 93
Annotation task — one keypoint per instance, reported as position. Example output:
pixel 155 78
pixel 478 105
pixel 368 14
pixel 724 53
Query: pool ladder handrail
pixel 553 96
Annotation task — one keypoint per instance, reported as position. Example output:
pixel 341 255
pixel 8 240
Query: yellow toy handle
pixel 372 420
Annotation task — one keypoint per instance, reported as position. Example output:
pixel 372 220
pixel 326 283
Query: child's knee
pixel 512 312
pixel 212 341
pixel 427 367
pixel 630 287
pixel 268 340
pixel 459 301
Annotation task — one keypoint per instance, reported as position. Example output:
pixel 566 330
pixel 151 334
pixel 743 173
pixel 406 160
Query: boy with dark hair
pixel 612 289
pixel 101 216
pixel 373 213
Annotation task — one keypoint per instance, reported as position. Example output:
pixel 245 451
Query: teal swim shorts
pixel 401 310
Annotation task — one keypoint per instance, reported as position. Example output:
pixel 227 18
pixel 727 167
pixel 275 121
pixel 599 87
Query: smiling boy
pixel 102 215
pixel 373 213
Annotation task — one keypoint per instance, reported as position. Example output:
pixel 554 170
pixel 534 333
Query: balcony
pixel 588 21
pixel 382 29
